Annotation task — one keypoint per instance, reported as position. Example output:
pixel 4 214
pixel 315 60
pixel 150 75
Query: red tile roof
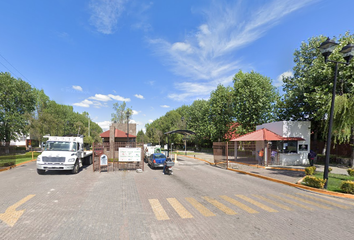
pixel 117 134
pixel 264 135
pixel 231 134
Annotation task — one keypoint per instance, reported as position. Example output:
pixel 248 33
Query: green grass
pixel 334 180
pixel 9 160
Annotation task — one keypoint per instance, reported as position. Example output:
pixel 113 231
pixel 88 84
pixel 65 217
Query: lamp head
pixel 327 48
pixel 348 52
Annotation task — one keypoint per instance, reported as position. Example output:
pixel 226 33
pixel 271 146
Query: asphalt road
pixel 198 201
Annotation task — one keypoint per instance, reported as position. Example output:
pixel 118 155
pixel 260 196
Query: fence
pixel 112 153
pixel 224 153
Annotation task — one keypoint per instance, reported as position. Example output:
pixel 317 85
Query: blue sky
pixel 155 55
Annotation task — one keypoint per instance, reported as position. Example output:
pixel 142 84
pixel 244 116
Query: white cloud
pixel 109 97
pixel 279 81
pixel 135 112
pixel 139 96
pixel 208 54
pixel 86 103
pixel 181 46
pixel 164 106
pixel 78 88
pixel 101 97
pixel 104 125
pixel 105 14
pixel 150 121
pixel 119 98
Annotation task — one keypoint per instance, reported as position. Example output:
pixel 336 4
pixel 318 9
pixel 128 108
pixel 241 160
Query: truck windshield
pixel 60 146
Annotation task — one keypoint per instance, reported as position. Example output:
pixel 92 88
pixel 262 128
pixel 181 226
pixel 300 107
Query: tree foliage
pixel 55 119
pixel 17 98
pixel 308 93
pixel 120 112
pixel 255 100
pixel 220 114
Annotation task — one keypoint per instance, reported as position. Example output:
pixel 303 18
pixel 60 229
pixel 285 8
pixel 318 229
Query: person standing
pixel 273 155
pixel 311 156
pixel 260 159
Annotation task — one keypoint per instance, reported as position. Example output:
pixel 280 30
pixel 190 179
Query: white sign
pixel 129 154
pixel 103 160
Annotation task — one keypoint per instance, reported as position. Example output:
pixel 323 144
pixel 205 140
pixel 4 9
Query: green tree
pixel 220 112
pixel 199 123
pixel 308 93
pixel 120 112
pixel 17 98
pixel 255 100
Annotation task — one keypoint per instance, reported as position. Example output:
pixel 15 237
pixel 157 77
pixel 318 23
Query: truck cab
pixel 63 153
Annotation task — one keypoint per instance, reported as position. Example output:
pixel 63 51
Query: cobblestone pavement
pixel 198 201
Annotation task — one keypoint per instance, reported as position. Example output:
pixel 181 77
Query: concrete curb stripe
pixel 203 210
pixel 279 205
pixel 325 201
pixel 160 213
pixel 292 202
pixel 220 206
pixel 307 201
pixel 258 204
pixel 239 204
pixel 182 212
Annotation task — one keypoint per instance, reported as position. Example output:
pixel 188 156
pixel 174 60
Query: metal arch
pixel 184 132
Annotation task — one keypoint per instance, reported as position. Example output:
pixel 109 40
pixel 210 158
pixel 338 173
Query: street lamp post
pixel 326 49
pixel 128 115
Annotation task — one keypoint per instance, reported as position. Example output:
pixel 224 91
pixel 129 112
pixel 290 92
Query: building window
pixel 287 146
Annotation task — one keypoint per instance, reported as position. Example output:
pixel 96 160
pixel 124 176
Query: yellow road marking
pixel 11 216
pixel 159 212
pixel 325 201
pixel 307 201
pixel 238 204
pixel 258 204
pixel 273 202
pixel 292 202
pixel 182 212
pixel 220 206
pixel 203 210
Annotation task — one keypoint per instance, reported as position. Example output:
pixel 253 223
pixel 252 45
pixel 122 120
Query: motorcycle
pixel 168 166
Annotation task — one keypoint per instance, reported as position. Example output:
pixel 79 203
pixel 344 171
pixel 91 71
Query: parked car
pixel 156 160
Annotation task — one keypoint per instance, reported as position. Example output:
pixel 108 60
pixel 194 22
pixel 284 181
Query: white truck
pixel 151 150
pixel 63 153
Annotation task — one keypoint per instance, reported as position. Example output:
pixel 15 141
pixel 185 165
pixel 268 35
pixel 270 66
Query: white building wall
pixel 300 129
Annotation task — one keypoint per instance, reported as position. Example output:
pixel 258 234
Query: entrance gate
pixel 113 162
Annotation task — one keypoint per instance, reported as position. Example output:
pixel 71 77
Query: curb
pixel 297 185
pixel 16 165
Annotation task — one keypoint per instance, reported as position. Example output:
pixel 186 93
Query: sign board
pixel 129 154
pixel 103 160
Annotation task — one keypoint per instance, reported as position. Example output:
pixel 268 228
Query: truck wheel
pixel 76 168
pixel 40 171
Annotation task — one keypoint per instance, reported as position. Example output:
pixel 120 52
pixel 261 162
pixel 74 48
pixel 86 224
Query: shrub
pixel 347 187
pixel 351 171
pixel 314 181
pixel 310 170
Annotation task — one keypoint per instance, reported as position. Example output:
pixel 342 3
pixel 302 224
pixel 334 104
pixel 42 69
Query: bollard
pixel 176 159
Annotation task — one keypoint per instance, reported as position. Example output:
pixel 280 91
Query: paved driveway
pixel 198 202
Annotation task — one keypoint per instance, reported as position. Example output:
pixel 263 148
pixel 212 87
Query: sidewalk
pixel 288 175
